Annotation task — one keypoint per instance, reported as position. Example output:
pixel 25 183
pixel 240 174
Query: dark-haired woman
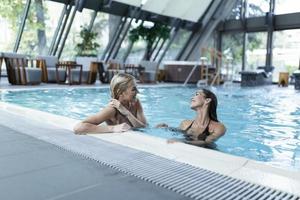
pixel 205 129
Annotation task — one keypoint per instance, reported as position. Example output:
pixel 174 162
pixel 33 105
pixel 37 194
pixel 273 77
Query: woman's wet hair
pixel 212 108
pixel 119 84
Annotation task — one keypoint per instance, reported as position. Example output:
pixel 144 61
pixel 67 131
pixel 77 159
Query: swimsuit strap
pixel 206 131
pixel 189 126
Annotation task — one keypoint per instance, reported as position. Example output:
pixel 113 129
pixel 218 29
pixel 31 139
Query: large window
pixel 101 27
pixel 286 52
pixel 232 49
pixel 256 50
pixel 257 8
pixel 236 12
pixel 125 44
pixel 39 28
pixel 177 44
pixel 10 16
pixel 286 6
pixel 81 19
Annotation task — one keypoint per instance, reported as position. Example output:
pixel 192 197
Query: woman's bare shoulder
pixel 185 124
pixel 218 128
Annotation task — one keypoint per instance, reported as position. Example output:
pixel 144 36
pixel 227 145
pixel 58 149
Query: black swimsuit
pixel 201 136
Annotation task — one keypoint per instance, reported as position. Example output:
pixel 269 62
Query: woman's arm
pixel 182 127
pixel 93 123
pixel 199 143
pixel 218 132
pixel 137 122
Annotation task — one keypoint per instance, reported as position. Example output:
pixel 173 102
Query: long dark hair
pixel 212 108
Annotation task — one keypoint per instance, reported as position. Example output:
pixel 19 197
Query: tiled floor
pixel 34 169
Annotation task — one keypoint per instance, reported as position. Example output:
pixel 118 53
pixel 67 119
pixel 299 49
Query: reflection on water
pixel 262 123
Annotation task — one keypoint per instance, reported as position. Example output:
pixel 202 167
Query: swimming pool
pixel 262 123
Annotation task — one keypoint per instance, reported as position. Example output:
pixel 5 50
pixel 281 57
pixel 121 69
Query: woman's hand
pixel 121 128
pixel 116 104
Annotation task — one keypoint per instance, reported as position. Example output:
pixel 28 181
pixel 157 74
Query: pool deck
pixel 30 121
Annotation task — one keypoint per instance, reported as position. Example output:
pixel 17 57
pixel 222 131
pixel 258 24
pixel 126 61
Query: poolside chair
pixel 114 66
pixel 71 66
pixel 89 70
pixel 149 74
pixel 51 73
pixel 19 72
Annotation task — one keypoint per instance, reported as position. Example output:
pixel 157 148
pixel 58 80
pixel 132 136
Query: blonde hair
pixel 119 83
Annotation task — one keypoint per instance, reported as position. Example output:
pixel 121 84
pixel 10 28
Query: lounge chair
pixel 114 67
pixel 89 70
pixel 19 71
pixel 51 73
pixel 71 66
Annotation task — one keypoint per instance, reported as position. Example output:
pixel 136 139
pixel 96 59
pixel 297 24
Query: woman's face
pixel 198 100
pixel 130 93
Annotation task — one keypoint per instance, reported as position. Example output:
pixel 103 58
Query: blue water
pixel 262 123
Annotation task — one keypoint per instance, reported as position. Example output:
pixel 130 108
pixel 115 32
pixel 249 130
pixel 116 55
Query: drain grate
pixel 182 178
pixel 194 182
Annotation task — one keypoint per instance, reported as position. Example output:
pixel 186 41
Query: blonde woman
pixel 122 113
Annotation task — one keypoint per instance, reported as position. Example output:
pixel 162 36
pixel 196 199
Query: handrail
pixel 216 56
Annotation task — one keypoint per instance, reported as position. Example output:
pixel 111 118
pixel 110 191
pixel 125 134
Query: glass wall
pixel 257 8
pixel 286 52
pixel 236 12
pixel 101 27
pixel 256 50
pixel 177 44
pixel 138 49
pixel 232 49
pixel 39 28
pixel 286 6
pixel 81 19
pixel 10 17
pixel 126 42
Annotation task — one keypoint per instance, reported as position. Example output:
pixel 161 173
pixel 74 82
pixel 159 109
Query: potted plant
pixel 149 34
pixel 87 48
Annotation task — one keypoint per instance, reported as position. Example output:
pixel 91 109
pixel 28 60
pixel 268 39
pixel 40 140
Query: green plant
pixel 149 34
pixel 88 46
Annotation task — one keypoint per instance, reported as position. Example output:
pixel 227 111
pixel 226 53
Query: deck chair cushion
pixel 51 62
pixel 86 67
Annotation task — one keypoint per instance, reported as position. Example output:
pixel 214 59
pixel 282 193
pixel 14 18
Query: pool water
pixel 262 123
